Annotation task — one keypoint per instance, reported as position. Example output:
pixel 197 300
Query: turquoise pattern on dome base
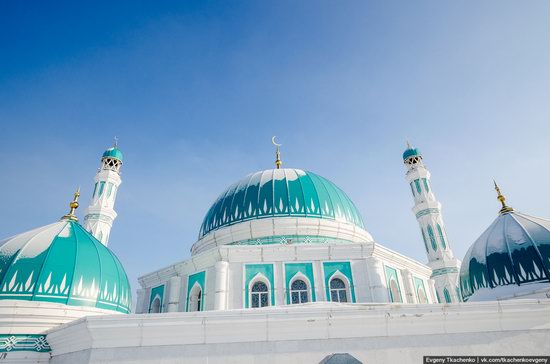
pixel 22 342
pixel 292 240
pixel 63 263
pixel 279 193
pixel 113 152
pixel 514 250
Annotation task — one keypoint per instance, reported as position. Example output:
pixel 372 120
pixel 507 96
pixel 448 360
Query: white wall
pixel 385 333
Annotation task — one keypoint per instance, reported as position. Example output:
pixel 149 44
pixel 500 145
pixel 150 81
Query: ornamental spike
pixel 73 205
pixel 502 199
pixel 278 161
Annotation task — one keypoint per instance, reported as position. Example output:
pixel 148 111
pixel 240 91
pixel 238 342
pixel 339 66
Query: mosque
pixel 283 270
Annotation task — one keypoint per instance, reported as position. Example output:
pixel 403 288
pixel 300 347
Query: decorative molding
pixel 24 342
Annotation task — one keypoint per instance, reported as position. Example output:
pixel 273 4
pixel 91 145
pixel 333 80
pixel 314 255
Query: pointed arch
pixel 196 298
pixel 300 289
pixel 259 291
pixel 339 287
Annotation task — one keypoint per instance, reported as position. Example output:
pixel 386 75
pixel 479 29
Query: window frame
pixel 259 278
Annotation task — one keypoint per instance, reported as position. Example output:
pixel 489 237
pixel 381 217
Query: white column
pixel 320 295
pixel 432 290
pixel 140 301
pixel 409 286
pixel 174 286
pixel 279 283
pixel 376 275
pixel 220 295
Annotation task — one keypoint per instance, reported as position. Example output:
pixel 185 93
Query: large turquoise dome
pixel 511 257
pixel 280 193
pixel 63 263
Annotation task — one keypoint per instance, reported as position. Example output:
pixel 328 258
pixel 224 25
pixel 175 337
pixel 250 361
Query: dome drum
pixel 295 228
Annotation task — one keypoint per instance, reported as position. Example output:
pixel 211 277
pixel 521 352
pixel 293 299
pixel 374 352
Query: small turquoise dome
pixel 280 193
pixel 514 251
pixel 113 152
pixel 411 152
pixel 63 263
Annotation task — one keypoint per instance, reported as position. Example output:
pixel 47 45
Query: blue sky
pixel 194 90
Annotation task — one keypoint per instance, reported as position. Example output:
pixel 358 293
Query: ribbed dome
pixel 113 152
pixel 514 250
pixel 63 263
pixel 280 193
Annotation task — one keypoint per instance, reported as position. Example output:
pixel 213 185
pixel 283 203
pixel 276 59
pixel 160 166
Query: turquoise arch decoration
pixel 447 295
pixel 426 186
pixel 280 192
pixel 329 268
pixel 63 263
pixel 291 269
pixel 391 274
pixel 251 271
pixel 432 237
pixel 417 184
pixel 157 291
pixel 419 283
pixel 441 237
pixel 200 278
pixel 424 239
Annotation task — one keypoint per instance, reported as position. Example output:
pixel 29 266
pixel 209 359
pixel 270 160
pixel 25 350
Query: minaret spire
pixel 502 200
pixel 278 161
pixel 73 205
pixel 101 214
pixel 427 210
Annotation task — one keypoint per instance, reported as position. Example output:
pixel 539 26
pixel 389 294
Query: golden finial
pixel 502 200
pixel 278 161
pixel 73 205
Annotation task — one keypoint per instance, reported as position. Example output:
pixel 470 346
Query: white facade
pixel 226 271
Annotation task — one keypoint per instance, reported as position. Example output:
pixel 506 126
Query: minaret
pixel 427 209
pixel 101 214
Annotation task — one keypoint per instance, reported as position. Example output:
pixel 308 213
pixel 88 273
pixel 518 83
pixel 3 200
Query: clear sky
pixel 194 90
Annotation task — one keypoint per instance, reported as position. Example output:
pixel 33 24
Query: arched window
pixel 299 293
pixel 447 296
pixel 195 298
pixel 441 237
pixel 338 290
pixel 421 295
pixel 432 237
pixel 155 305
pixel 395 295
pixel 259 295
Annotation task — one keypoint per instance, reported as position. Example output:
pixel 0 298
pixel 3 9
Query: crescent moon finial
pixel 278 161
pixel 274 142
